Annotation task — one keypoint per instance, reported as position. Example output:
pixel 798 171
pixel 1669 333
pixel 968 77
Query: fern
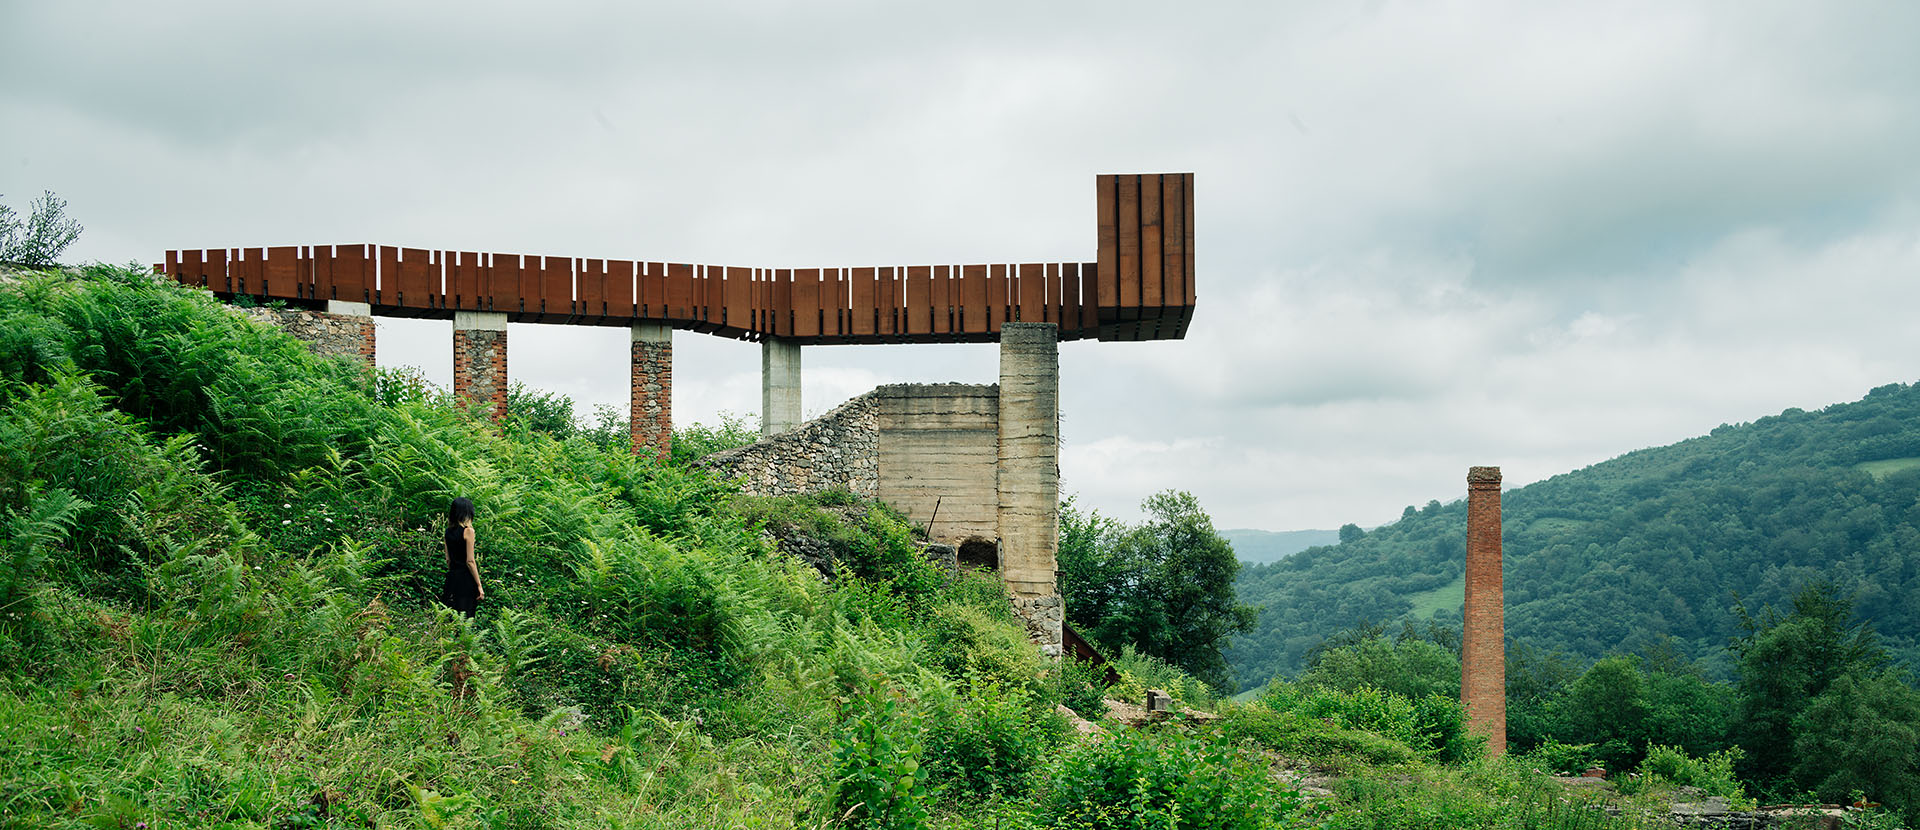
pixel 31 534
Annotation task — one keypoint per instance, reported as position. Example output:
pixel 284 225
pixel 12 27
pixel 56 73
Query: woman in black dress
pixel 462 590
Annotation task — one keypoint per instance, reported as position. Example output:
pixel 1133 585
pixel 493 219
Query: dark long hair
pixel 461 510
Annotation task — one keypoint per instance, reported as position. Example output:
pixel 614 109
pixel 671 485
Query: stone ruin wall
pixel 836 450
pixel 927 449
pixel 343 335
pixel 935 451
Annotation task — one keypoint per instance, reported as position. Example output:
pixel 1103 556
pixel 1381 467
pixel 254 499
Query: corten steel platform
pixel 1140 287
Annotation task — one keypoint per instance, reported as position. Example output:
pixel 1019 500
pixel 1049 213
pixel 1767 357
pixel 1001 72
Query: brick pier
pixel 480 359
pixel 651 404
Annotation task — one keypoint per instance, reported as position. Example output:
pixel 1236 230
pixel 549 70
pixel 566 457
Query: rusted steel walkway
pixel 1140 287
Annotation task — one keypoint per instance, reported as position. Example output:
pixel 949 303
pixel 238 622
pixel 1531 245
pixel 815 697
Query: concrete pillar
pixel 779 385
pixel 480 359
pixel 364 313
pixel 1029 476
pixel 651 409
pixel 1483 649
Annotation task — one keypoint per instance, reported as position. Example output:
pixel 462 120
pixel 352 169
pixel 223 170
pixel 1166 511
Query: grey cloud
pixel 1431 235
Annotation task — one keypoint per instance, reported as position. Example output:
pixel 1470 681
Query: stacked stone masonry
pixel 480 368
pixel 651 410
pixel 1483 684
pixel 341 335
pixel 836 450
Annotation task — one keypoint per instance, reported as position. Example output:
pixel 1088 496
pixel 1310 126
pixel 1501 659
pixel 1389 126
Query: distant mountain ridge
pixel 1263 546
pixel 1653 544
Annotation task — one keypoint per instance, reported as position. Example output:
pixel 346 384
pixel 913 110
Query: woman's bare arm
pixel 473 562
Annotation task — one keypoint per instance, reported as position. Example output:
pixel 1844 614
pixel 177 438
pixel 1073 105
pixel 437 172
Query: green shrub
pixel 1299 736
pixel 45 234
pixel 1434 727
pixel 990 740
pixel 1078 686
pixel 1140 672
pixel 879 781
pixel 1556 758
pixel 1162 779
pixel 967 642
pixel 696 441
pixel 1713 774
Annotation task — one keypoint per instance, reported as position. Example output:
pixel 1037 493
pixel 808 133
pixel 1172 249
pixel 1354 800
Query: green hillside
pixel 218 562
pixel 1656 543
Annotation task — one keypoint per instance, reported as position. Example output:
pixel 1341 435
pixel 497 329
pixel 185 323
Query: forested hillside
pixel 1656 543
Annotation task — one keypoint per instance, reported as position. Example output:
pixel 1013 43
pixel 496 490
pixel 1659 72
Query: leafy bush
pixel 990 740
pixel 1562 759
pixel 696 441
pixel 43 237
pixel 1713 774
pixel 965 641
pixel 1078 686
pixel 1296 735
pixel 879 781
pixel 1433 726
pixel 1162 779
pixel 1140 672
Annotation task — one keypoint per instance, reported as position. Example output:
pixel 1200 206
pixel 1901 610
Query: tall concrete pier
pixel 779 385
pixel 1029 464
pixel 1483 655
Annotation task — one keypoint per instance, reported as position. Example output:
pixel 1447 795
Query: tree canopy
pixel 1164 587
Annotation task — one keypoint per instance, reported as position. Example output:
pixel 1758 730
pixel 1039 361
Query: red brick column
pixel 651 408
pixel 480 359
pixel 1483 649
pixel 367 330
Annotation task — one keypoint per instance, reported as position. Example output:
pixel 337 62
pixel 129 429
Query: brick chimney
pixel 1483 655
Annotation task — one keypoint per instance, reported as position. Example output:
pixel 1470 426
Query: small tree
pixel 47 232
pixel 1164 587
pixel 1787 662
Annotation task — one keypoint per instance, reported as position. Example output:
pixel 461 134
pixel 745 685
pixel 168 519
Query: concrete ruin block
pixel 1159 701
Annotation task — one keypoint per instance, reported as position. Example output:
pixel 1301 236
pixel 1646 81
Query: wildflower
pixel 140 729
pixel 286 506
pixel 286 521
pixel 289 675
pixel 139 825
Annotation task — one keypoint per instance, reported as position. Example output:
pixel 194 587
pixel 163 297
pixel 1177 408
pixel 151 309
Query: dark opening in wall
pixel 980 553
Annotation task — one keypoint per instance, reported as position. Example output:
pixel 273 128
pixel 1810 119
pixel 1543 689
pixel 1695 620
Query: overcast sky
pixel 1430 235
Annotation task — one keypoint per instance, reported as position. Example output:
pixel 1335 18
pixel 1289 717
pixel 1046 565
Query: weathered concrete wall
pixel 779 385
pixel 1483 655
pixel 938 445
pixel 1029 469
pixel 344 335
pixel 838 449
